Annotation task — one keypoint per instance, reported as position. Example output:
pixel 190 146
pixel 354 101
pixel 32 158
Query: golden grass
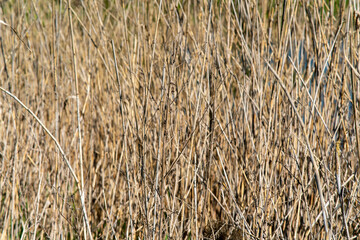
pixel 178 117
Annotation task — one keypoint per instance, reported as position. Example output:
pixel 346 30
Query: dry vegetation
pixel 180 119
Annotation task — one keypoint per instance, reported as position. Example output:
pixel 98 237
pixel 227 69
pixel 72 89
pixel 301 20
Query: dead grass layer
pixel 181 119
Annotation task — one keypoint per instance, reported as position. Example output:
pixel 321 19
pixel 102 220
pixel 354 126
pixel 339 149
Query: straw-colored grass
pixel 179 119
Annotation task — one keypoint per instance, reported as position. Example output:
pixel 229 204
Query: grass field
pixel 179 119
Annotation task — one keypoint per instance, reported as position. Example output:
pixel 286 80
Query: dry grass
pixel 180 119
